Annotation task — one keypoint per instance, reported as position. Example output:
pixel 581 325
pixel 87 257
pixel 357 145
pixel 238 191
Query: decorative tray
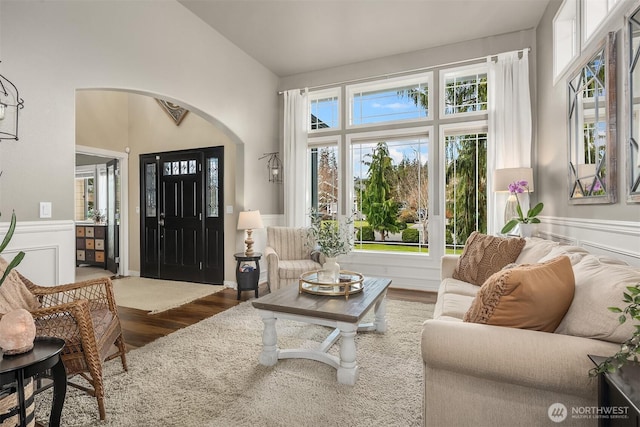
pixel 350 283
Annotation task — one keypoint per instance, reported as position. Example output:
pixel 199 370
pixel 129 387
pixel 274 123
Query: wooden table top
pixel 289 300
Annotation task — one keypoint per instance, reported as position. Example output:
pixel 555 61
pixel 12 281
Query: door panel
pixel 175 242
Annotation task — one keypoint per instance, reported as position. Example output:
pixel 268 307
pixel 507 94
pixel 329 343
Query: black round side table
pixel 247 275
pixel 45 355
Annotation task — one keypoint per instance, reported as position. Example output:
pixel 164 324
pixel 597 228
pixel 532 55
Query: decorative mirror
pixel 633 151
pixel 592 127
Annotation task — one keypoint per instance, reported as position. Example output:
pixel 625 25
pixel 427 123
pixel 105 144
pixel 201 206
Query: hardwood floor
pixel 140 328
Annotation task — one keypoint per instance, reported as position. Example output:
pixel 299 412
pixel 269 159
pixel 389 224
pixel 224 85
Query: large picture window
pixel 390 193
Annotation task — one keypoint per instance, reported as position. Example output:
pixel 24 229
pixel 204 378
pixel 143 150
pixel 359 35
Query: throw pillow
pixel 14 293
pixel 599 286
pixel 531 296
pixel 484 255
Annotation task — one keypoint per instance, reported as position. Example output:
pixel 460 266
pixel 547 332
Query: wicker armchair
pixel 84 315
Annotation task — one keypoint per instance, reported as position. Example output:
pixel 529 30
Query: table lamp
pixel 501 180
pixel 249 220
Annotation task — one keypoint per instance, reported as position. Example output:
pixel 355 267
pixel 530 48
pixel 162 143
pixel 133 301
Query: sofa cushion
pixel 575 253
pixel 531 296
pixel 452 305
pixel 534 249
pixel 484 255
pixel 599 286
pixel 14 293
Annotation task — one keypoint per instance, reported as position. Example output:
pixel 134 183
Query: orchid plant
pixel 515 188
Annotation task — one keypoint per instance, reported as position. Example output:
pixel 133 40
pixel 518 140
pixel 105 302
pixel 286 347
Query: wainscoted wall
pixel 618 239
pixel 49 248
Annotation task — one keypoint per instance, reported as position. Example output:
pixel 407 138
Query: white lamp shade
pixel 503 177
pixel 249 220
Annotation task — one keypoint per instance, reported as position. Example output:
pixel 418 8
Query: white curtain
pixel 509 139
pixel 296 190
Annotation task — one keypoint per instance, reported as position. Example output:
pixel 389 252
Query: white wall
pixel 51 49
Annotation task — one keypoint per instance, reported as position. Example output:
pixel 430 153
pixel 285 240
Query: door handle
pixel 161 220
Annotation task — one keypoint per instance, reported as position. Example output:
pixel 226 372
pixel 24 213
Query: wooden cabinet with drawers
pixel 91 245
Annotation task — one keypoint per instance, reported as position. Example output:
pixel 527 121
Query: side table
pixel 44 356
pixel 247 275
pixel 618 395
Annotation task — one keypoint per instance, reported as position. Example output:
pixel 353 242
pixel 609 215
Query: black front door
pixel 113 215
pixel 181 226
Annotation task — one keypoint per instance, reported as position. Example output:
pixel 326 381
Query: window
pixel 324 108
pixel 324 167
pixel 465 168
pixel 380 165
pixel 391 101
pixel 390 192
pixel 464 90
pixel 575 17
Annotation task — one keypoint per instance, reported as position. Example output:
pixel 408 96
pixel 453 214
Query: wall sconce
pixel 274 166
pixel 249 220
pixel 10 103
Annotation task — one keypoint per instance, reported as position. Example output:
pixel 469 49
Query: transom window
pixel 394 100
pixel 324 107
pixel 464 90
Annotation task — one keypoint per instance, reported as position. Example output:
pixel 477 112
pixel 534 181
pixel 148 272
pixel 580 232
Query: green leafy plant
pixel 7 238
pixel 630 348
pixel 332 237
pixel 515 188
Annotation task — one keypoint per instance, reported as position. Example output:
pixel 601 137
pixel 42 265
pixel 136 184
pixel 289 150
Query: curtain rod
pixel 415 70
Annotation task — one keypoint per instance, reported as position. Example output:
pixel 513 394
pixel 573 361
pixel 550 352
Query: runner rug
pixel 208 374
pixel 155 295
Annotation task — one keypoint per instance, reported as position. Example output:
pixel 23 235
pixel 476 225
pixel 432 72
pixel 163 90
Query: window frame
pixel 321 94
pixel 419 131
pixel 390 83
pixel 461 71
pixel 328 141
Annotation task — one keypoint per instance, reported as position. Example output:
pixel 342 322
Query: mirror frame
pixel 633 148
pixel 608 48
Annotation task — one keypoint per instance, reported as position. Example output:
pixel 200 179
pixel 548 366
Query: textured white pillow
pixel 534 249
pixel 599 286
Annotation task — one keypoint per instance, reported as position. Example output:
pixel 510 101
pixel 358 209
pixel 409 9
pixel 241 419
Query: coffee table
pixel 337 312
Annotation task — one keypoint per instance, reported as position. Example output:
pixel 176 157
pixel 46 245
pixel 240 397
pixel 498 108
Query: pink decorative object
pixel 17 332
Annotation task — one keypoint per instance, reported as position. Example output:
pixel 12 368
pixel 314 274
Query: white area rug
pixel 155 295
pixel 208 375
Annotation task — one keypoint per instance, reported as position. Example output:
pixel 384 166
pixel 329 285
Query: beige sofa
pixel 484 375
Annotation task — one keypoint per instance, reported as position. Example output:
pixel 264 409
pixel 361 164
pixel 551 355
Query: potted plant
pixel 7 238
pixel 515 188
pixel 631 347
pixel 331 238
pixel 17 327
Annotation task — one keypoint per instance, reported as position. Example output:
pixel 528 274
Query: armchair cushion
pixel 14 294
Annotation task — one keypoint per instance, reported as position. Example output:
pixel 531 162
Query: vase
pixel 331 270
pixel 526 230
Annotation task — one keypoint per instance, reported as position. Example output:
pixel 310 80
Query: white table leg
pixel 269 354
pixel 348 370
pixel 380 312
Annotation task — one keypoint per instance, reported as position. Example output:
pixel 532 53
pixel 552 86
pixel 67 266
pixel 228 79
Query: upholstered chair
pixel 83 314
pixel 289 253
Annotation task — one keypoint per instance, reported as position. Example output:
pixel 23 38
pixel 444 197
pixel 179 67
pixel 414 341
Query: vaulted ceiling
pixel 295 36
